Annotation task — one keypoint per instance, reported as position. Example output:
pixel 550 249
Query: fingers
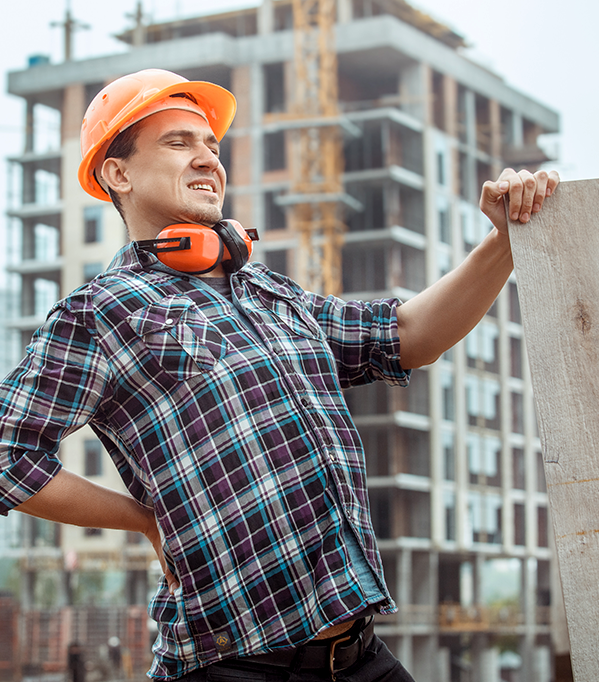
pixel 171 580
pixel 153 535
pixel 527 192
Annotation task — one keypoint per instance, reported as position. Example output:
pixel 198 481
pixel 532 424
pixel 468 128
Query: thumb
pixel 492 192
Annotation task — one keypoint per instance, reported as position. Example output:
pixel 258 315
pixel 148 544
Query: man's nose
pixel 204 157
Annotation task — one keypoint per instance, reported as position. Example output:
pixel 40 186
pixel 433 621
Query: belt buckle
pixel 332 656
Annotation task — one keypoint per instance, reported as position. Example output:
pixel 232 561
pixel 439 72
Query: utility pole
pixel 69 25
pixel 138 37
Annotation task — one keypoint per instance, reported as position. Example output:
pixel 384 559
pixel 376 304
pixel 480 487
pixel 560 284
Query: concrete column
pixel 344 11
pixel 477 578
pixel 256 115
pixel 27 295
pixel 529 591
pixel 403 588
pixel 517 130
pixel 266 17
pixel 412 90
pixel 450 93
pixel 542 664
pixel 422 579
pixel 242 174
pixel 496 142
pixel 471 189
pixel 435 403
pixel 470 111
pixel 477 648
pixel 28 184
pixel 489 665
pixel 28 590
pixel 404 652
pixel 425 658
pixel 444 665
pixel 462 479
pixel 29 127
pixel 528 600
pixel 73 109
pixel 433 559
pixel 526 650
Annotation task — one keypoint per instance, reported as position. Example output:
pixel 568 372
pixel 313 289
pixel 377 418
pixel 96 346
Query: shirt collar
pixel 131 257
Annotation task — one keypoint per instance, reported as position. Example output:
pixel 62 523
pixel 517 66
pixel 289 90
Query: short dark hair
pixel 123 147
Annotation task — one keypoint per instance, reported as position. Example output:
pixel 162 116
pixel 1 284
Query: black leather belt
pixel 334 654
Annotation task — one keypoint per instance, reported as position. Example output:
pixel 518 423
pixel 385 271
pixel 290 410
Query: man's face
pixel 175 175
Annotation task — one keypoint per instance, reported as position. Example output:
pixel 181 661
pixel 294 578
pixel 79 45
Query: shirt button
pixel 169 320
pixel 305 402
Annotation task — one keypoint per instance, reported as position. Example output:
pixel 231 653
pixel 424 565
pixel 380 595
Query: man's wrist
pixel 497 244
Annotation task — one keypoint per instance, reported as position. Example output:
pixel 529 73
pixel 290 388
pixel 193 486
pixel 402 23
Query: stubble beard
pixel 207 215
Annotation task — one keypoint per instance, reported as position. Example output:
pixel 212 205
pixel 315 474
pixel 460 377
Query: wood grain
pixel 556 258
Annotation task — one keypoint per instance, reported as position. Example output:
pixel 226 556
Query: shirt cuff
pixel 26 477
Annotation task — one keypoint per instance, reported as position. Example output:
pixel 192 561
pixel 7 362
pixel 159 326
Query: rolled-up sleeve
pixel 56 389
pixel 363 337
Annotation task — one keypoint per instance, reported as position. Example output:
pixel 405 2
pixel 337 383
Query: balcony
pixel 49 214
pixel 452 618
pixel 49 161
pixel 526 156
pixel 37 267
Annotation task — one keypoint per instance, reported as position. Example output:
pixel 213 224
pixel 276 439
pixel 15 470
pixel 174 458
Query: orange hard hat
pixel 130 98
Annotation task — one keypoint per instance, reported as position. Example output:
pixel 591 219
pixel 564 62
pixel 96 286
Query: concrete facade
pixel 454 461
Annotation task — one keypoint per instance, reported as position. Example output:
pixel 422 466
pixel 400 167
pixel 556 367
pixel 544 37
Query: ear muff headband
pixel 236 246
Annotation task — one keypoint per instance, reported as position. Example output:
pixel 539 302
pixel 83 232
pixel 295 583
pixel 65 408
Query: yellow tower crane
pixel 317 158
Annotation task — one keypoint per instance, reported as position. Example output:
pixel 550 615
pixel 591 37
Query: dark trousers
pixel 376 665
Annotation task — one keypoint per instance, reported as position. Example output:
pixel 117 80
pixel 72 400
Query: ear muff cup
pixel 235 245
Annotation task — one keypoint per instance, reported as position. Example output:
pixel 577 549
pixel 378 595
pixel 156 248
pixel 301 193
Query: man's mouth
pixel 201 185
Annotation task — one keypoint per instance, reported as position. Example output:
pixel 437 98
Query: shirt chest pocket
pixel 179 336
pixel 292 316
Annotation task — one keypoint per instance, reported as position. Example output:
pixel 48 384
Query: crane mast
pixel 317 161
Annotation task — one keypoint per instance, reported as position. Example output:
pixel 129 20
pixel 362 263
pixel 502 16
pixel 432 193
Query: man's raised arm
pixel 440 316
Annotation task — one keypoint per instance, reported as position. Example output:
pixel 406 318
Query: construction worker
pixel 215 385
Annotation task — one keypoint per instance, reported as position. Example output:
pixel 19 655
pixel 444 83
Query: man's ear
pixel 114 174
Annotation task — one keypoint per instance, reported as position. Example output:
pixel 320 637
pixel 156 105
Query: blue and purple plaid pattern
pixel 236 443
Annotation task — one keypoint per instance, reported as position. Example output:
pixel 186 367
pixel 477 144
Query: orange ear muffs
pixel 197 249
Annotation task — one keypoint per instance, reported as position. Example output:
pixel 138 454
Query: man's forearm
pixel 72 499
pixel 75 500
pixel 437 318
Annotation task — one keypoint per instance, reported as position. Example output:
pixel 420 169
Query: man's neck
pixel 218 271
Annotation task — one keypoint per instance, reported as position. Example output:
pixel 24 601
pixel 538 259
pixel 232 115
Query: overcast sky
pixel 547 48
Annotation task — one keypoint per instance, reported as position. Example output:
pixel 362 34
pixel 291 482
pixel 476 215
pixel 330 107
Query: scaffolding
pixel 317 164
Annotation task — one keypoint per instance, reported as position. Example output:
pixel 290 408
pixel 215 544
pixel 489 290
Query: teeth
pixel 206 187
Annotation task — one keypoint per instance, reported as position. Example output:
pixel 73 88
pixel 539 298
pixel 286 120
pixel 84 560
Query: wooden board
pixel 556 258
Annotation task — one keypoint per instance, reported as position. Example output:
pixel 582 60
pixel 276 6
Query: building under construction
pixel 454 462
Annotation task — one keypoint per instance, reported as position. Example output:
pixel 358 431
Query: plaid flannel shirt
pixel 237 444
